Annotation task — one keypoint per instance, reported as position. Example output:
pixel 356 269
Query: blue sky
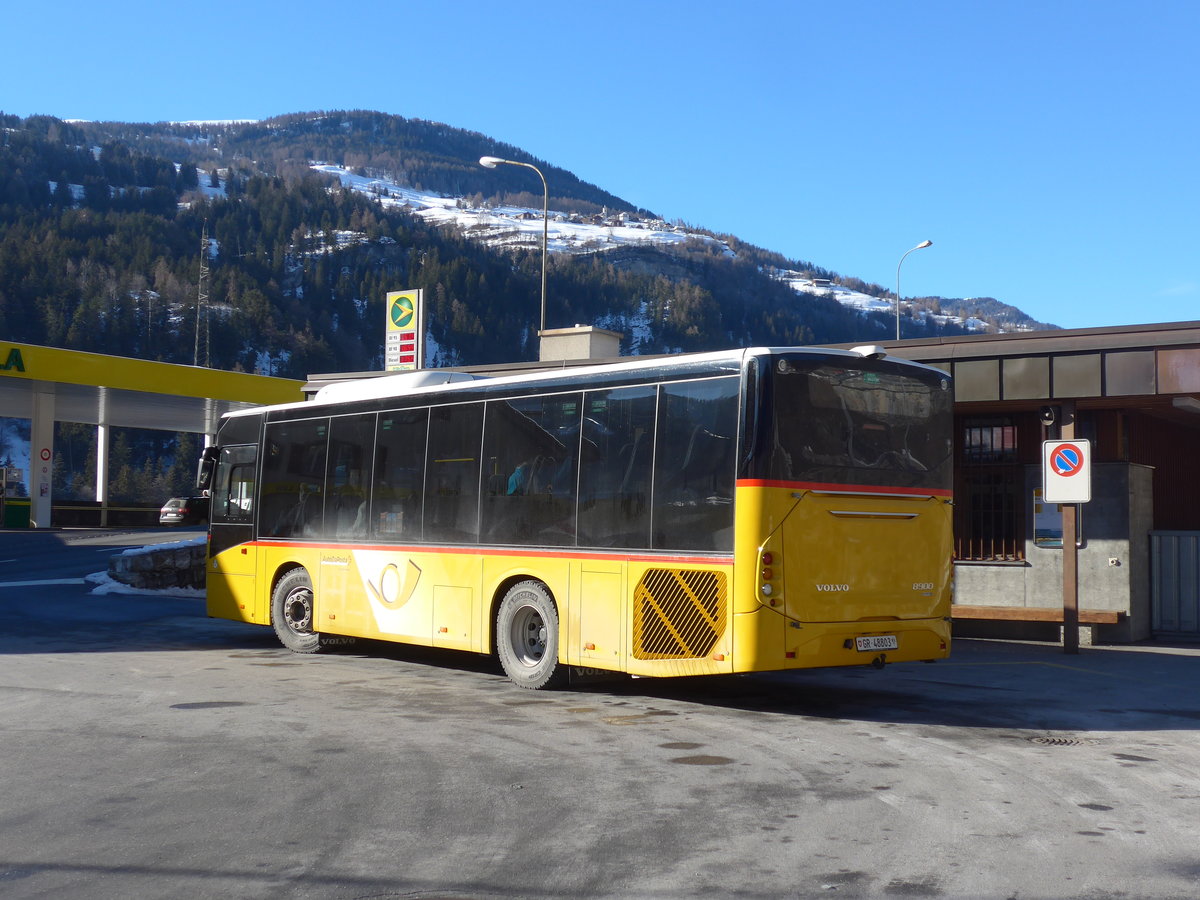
pixel 1049 150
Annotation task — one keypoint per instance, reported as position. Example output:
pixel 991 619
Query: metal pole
pixel 490 162
pixel 919 246
pixel 545 237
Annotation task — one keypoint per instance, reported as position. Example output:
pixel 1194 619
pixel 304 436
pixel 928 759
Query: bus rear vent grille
pixel 678 613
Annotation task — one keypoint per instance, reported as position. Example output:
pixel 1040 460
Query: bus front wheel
pixel 292 612
pixel 527 637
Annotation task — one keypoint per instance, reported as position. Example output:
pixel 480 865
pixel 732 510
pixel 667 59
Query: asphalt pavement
pixel 151 752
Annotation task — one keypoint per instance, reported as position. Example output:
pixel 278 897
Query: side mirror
pixel 206 468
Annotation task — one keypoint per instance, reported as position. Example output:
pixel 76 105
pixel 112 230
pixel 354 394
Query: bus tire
pixel 527 637
pixel 292 612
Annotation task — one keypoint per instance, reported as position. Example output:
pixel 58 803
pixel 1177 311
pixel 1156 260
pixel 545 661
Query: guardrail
pixel 90 514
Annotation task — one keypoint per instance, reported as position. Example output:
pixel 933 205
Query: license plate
pixel 877 642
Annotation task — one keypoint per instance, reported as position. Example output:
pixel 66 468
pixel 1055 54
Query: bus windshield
pixel 877 424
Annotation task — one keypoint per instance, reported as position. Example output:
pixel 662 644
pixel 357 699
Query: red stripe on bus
pixel 855 488
pixel 724 559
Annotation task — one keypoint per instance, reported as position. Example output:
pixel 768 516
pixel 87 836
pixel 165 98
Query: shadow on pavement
pixel 985 684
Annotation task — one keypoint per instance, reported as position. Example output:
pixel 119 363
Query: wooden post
pixel 1070 559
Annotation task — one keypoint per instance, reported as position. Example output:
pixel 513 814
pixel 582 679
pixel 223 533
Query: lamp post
pixel 920 246
pixel 490 162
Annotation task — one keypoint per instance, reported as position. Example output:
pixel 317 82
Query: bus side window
pixel 294 479
pixel 694 465
pixel 351 440
pixel 451 509
pixel 240 499
pixel 397 497
pixel 615 468
pixel 531 445
pixel 232 493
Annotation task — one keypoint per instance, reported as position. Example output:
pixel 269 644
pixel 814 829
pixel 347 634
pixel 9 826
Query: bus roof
pixel 428 381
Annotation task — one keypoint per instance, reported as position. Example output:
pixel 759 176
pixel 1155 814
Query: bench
pixel 1034 614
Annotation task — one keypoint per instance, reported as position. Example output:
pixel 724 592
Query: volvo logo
pixel 833 587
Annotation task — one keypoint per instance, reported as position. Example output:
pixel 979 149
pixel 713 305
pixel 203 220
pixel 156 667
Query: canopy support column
pixel 41 456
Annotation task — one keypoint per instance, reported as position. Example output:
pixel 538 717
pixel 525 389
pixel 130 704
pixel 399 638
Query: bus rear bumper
pixel 777 643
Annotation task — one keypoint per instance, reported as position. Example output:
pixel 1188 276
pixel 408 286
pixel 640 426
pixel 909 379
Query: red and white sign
pixel 1067 471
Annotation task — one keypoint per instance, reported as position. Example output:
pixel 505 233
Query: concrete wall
pixel 1114 563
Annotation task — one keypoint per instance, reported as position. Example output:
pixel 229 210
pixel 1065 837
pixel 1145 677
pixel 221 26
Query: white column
pixel 102 436
pixel 41 456
pixel 102 471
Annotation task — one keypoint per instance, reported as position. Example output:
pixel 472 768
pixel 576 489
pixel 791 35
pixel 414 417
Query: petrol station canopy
pixel 96 389
pixel 48 385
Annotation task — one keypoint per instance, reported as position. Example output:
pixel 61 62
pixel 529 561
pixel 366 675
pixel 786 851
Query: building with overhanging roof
pixel 1134 393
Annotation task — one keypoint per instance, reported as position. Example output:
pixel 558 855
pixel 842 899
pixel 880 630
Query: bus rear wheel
pixel 292 612
pixel 527 637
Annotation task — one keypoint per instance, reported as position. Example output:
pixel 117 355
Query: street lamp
pixel 920 246
pixel 490 162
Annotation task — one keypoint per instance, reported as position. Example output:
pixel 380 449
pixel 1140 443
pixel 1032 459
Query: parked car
pixel 184 511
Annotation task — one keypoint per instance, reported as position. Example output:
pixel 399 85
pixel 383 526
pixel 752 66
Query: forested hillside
pixel 100 237
pixel 103 227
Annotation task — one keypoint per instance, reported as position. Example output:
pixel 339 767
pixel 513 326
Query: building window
pixel 989 441
pixel 988 496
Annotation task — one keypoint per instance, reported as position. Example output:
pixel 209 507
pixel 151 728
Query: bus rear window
pixel 879 425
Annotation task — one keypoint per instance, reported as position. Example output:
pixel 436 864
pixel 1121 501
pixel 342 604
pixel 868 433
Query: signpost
pixel 1067 480
pixel 1066 471
pixel 404 347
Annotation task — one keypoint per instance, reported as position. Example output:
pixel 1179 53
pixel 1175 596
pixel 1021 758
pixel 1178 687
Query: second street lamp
pixel 490 162
pixel 920 246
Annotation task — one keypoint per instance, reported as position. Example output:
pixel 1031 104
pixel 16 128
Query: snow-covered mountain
pixel 872 305
pixel 516 225
pixel 506 226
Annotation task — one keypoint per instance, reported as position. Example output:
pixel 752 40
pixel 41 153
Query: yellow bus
pixel 703 514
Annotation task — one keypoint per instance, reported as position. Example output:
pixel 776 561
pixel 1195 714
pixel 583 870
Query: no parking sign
pixel 1067 471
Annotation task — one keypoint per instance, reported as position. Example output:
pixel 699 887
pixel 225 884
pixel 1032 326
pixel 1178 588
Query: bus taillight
pixel 766 577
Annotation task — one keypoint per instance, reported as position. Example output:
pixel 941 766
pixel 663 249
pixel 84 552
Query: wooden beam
pixel 1034 614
